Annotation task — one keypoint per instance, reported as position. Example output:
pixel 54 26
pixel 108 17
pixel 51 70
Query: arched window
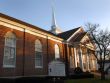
pixel 9 59
pixel 38 54
pixel 57 52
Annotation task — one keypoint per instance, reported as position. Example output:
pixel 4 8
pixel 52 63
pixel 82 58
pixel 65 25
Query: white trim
pixel 73 62
pixel 35 32
pixel 11 26
pixel 81 59
pixel 54 39
pixel 20 25
pixel 74 34
pixel 88 62
pixel 75 57
pixel 8 66
pixel 38 66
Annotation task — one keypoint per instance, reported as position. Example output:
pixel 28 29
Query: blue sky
pixel 69 13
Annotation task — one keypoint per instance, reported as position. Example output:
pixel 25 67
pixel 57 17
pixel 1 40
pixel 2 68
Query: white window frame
pixel 10 35
pixel 38 50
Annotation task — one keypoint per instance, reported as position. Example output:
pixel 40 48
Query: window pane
pixel 38 46
pixel 38 62
pixel 9 50
pixel 57 52
pixel 12 52
pixel 38 59
pixel 38 54
pixel 10 42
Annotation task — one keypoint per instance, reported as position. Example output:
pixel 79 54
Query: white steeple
pixel 54 28
pixel 53 19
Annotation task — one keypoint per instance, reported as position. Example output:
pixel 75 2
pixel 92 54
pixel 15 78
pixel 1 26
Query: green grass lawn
pixel 87 81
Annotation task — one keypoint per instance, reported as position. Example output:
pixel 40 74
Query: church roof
pixel 65 35
pixel 26 24
pixel 79 38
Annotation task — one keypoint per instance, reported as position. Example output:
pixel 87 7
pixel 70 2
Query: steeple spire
pixel 54 27
pixel 53 18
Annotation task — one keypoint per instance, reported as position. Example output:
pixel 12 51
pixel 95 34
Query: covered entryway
pixel 56 68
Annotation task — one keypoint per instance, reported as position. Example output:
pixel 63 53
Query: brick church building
pixel 27 50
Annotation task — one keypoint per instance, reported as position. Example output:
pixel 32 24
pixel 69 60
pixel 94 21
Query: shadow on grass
pixel 31 80
pixel 81 75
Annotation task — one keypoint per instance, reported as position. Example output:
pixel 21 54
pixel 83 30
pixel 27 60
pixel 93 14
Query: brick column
pixel 66 60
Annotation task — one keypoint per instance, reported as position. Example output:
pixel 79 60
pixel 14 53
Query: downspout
pixel 23 59
pixel 63 53
pixel 66 59
pixel 47 56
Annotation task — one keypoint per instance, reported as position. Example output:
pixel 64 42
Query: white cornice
pixel 21 27
pixel 54 39
pixel 10 26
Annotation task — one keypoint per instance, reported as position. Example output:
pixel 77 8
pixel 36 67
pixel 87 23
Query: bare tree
pixel 101 39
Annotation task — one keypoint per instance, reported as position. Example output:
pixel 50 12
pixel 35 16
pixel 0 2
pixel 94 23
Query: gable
pixel 67 34
pixel 87 41
pixel 75 34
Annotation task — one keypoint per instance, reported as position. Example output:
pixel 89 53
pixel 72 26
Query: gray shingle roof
pixel 80 36
pixel 65 35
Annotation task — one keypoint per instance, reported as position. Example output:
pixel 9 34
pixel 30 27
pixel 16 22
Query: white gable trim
pixel 74 34
pixel 89 45
pixel 84 37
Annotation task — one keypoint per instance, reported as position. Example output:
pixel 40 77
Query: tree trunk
pixel 102 75
pixel 102 71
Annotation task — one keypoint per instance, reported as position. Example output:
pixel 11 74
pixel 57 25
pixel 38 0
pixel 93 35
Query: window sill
pixel 38 66
pixel 8 66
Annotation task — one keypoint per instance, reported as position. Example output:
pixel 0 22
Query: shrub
pixel 78 70
pixel 81 76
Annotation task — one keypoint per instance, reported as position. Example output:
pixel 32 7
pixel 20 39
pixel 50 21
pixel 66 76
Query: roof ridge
pixel 65 35
pixel 70 30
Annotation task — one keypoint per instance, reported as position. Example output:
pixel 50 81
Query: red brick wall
pixel 18 69
pixel 51 50
pixel 29 60
pixel 30 56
